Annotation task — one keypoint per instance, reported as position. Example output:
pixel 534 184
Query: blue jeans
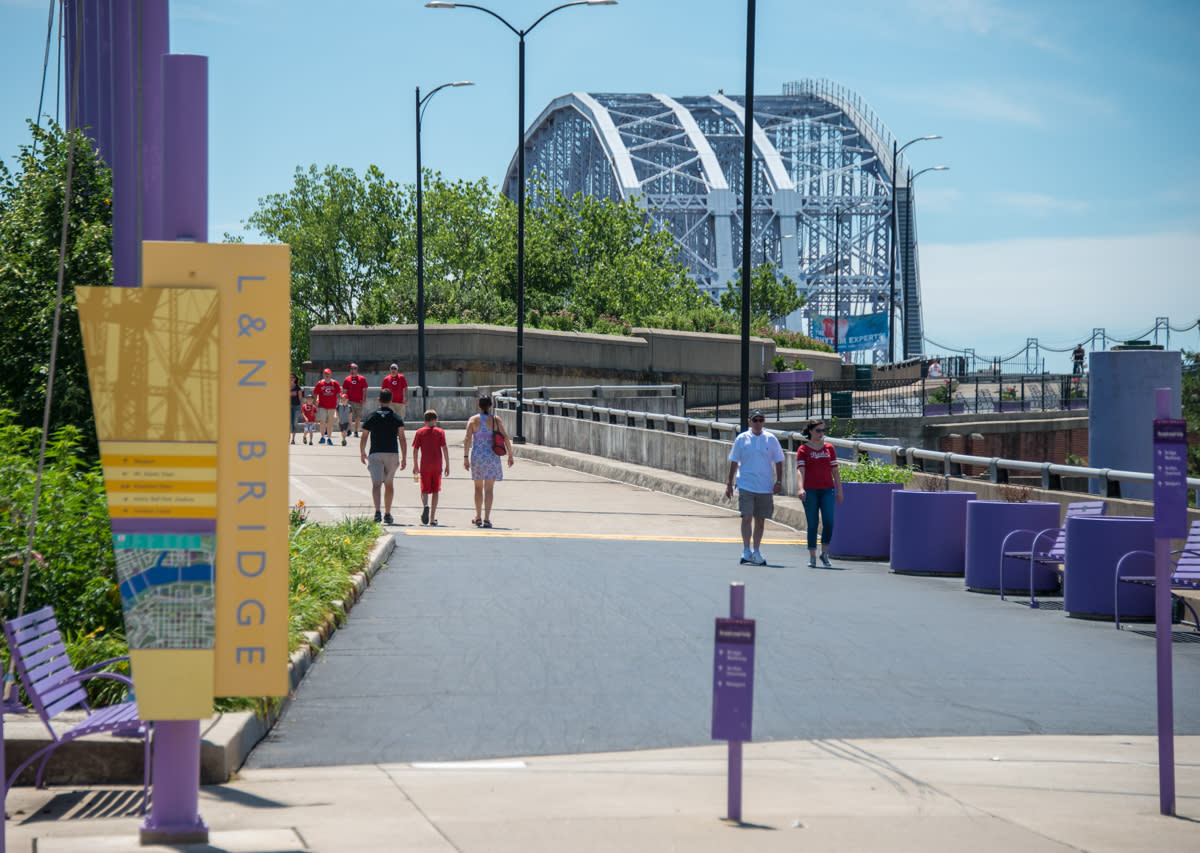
pixel 822 501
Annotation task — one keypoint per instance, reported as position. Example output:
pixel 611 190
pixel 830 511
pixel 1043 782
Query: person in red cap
pixel 327 391
pixel 355 386
pixel 398 385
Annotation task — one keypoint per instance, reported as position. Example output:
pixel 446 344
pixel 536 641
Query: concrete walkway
pixel 1030 792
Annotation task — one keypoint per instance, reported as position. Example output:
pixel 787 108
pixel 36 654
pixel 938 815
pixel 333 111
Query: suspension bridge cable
pixel 45 66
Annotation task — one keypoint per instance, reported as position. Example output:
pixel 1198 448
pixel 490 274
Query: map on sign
pixel 167 590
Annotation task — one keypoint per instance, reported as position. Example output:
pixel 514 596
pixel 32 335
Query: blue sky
pixel 1072 200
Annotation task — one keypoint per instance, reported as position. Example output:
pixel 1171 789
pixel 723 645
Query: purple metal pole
pixel 104 81
pixel 174 812
pixel 123 158
pixel 1162 638
pixel 151 34
pixel 733 809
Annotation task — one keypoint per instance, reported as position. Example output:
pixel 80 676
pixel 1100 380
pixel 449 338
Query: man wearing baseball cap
pixel 355 386
pixel 327 392
pixel 398 385
pixel 757 461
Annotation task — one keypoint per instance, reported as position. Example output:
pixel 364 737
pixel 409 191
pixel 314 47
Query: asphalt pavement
pixel 547 685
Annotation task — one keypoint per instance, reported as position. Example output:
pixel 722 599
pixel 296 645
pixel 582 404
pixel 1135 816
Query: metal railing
pixel 944 463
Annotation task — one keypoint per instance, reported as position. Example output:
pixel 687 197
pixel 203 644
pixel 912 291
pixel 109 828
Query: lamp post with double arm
pixel 895 234
pixel 421 103
pixel 519 436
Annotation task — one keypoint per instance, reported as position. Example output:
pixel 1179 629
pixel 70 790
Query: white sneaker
pixel 757 558
pixel 747 556
pixel 825 560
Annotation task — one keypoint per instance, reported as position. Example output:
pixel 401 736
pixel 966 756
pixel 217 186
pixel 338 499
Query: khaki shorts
pixel 398 408
pixel 327 417
pixel 383 466
pixel 756 504
pixel 356 411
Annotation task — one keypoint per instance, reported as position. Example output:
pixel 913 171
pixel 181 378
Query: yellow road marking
pixel 517 534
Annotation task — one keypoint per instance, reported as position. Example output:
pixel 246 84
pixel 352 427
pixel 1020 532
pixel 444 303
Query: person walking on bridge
pixel 820 488
pixel 756 460
pixel 482 460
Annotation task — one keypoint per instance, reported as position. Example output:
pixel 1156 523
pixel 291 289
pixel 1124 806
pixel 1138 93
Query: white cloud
pixel 992 296
pixel 1039 204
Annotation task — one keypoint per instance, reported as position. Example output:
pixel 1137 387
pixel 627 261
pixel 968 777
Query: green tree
pixel 342 230
pixel 31 214
pixel 772 298
pixel 1191 408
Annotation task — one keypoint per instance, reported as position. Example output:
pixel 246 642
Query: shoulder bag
pixel 498 446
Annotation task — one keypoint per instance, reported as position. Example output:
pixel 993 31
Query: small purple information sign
pixel 733 680
pixel 1170 478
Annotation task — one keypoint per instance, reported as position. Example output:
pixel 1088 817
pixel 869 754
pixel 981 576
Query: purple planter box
pixel 1075 403
pixel 1010 406
pixel 786 384
pixel 988 522
pixel 863 526
pixel 933 409
pixel 1094 545
pixel 929 532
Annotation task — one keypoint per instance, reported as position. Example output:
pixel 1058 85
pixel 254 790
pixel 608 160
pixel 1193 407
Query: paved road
pixel 567 636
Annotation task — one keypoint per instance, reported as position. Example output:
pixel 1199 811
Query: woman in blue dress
pixel 481 460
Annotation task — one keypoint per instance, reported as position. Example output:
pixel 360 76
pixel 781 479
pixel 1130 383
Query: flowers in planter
pixel 1009 393
pixel 944 393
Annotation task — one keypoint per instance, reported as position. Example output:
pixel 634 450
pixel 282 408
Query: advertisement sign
pixel 855 332
pixel 733 680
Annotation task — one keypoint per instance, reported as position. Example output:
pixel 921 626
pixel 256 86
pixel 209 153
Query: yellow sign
pixel 253 285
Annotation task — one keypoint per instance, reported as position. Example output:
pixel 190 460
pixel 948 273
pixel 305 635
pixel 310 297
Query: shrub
pixel 872 471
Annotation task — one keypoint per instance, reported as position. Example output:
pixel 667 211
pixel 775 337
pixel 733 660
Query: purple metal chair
pixel 1185 575
pixel 53 686
pixel 1055 554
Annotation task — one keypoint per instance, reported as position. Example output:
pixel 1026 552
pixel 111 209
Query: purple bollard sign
pixel 1170 478
pixel 733 680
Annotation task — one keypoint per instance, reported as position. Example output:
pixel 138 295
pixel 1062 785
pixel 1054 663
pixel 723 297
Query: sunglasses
pixel 757 420
pixel 817 429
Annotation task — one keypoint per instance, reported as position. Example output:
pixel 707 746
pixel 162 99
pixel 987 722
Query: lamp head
pixel 602 2
pixel 439 4
pixel 463 83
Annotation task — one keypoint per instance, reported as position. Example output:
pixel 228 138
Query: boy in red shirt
pixel 426 443
pixel 309 413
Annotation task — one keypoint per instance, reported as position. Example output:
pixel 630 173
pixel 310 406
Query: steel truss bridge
pixel 822 165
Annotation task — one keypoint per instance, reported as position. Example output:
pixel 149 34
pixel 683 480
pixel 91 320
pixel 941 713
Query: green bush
pixel 872 471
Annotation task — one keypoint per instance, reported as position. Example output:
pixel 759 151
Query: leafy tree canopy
pixel 772 298
pixel 31 217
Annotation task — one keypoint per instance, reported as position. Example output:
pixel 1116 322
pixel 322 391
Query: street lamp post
pixel 837 268
pixel 909 218
pixel 519 437
pixel 895 228
pixel 421 102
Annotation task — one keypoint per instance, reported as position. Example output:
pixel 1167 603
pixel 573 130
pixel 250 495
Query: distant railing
pixel 893 397
pixel 947 464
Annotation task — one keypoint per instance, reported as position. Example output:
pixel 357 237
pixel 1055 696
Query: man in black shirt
pixel 389 452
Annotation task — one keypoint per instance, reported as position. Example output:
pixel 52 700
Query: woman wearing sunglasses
pixel 820 488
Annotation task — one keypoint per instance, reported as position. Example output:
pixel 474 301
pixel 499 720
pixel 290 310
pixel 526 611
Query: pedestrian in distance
pixel 431 455
pixel 1077 356
pixel 327 392
pixel 295 401
pixel 820 488
pixel 756 461
pixel 398 385
pixel 343 416
pixel 355 386
pixel 481 459
pixel 384 429
pixel 308 411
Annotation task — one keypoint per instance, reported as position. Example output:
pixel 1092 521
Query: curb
pixel 225 739
pixel 788 510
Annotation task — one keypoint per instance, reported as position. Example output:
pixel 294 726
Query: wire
pixel 45 67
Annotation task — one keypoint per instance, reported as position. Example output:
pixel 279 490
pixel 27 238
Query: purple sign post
pixel 733 690
pixel 1170 522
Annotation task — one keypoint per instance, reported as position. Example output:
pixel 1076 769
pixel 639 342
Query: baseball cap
pixel 395 367
pixel 353 366
pixel 328 372
pixel 757 413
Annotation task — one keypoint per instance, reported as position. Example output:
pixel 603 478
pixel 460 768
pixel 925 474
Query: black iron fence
pixel 882 398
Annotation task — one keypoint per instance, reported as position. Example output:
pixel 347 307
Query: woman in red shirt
pixel 820 488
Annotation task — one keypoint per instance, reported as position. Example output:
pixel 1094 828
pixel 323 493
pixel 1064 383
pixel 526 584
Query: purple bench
pixel 53 685
pixel 1185 575
pixel 1054 554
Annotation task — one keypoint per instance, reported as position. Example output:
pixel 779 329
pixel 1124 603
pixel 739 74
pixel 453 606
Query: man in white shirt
pixel 756 460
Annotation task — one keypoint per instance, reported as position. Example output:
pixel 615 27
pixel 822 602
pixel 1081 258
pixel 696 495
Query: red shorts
pixel 431 480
